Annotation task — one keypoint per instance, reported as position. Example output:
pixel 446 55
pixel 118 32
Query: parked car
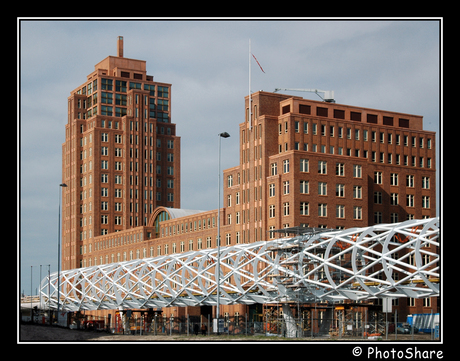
pixel 404 327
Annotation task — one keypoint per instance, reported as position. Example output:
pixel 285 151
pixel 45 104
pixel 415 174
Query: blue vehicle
pixel 424 322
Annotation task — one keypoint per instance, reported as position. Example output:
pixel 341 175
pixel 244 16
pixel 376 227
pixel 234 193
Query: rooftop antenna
pixel 328 95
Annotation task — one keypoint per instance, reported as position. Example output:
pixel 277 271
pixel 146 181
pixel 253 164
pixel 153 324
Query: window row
pixel 322 189
pixel 394 180
pixel 322 210
pixel 357 134
pixel 375 157
pixel 121 86
pixel 304 166
pixel 394 217
pixel 121 99
pixel 186 227
pixel 134 153
pixel 134 139
pixel 410 200
pixel 134 167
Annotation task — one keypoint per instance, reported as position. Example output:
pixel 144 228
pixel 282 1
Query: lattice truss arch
pixel 385 260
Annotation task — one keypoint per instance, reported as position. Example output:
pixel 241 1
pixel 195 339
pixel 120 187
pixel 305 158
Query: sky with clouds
pixel 382 64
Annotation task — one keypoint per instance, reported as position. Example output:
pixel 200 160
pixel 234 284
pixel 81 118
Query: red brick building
pixel 120 159
pixel 302 162
pixel 318 164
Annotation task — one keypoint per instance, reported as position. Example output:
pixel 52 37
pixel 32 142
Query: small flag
pixel 258 63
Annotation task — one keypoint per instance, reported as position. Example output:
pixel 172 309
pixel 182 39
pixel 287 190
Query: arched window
pixel 162 216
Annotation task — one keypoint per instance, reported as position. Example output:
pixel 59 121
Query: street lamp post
pixel 31 308
pixel 49 295
pixel 39 289
pixel 59 252
pixel 221 135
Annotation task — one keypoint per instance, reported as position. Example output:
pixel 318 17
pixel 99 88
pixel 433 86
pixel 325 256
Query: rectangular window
pixel 322 210
pixel 304 187
pixel 357 171
pixel 133 85
pixel 286 209
pixel 163 91
pixel 304 165
pixel 120 86
pixel 378 177
pixel 340 169
pixel 322 167
pixel 304 208
pixel 229 181
pixel 340 211
pixel 286 166
pixel 105 110
pixel 272 211
pixel 357 192
pixel 340 190
pixel 271 190
pixel 106 84
pixel 357 212
pixel 119 112
pixel 425 202
pixel 322 188
pixel 394 179
pixel 106 98
pixel 426 182
pixel 410 200
pixel 410 181
pixel 286 187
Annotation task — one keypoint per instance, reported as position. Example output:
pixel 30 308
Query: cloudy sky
pixel 390 65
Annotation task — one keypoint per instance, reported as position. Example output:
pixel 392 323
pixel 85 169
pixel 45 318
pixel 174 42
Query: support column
pixel 291 328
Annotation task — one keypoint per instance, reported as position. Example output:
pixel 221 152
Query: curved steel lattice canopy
pixel 385 260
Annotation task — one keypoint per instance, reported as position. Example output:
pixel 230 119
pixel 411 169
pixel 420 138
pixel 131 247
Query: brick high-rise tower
pixel 120 159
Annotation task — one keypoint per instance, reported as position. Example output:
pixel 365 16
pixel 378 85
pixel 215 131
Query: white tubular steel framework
pixel 385 260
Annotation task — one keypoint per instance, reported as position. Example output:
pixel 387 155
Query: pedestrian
pixel 204 328
pixel 196 328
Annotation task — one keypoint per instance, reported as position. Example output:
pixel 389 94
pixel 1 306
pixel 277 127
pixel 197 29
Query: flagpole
pixel 250 101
